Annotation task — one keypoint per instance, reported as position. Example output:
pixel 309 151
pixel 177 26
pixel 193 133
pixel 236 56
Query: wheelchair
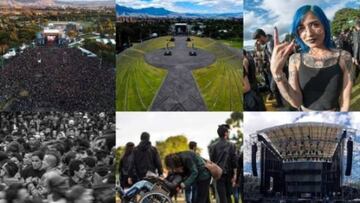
pixel 156 191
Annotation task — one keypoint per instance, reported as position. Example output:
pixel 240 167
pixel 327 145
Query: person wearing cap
pixel 146 158
pixel 223 153
pixel 266 39
pixel 320 76
pixel 356 46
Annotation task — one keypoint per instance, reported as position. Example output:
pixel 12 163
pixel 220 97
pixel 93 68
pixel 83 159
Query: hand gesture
pixel 280 54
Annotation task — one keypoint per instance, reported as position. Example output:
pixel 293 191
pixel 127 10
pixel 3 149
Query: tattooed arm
pixel 290 89
pixel 349 77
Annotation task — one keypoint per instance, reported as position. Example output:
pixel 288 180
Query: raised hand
pixel 280 54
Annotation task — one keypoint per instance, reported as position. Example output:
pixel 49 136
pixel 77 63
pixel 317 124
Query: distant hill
pixel 161 12
pixel 51 3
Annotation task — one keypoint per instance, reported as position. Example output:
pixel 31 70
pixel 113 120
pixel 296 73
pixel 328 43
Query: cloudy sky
pixel 188 6
pixel 257 121
pixel 197 126
pixel 266 14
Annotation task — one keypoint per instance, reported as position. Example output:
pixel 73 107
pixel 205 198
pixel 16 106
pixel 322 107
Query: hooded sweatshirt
pixel 146 158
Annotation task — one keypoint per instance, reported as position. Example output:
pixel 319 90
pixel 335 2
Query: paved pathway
pixel 179 91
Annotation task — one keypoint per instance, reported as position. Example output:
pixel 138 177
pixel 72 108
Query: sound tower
pixel 253 159
pixel 349 157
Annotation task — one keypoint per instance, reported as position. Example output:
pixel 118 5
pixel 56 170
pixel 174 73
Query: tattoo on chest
pixel 320 62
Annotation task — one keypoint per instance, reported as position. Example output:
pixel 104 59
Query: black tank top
pixel 321 87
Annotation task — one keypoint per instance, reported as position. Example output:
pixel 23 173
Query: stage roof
pixel 304 141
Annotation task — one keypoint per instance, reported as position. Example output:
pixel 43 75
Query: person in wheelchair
pixel 167 187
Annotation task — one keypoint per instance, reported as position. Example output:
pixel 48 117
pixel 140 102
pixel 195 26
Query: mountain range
pixel 54 3
pixel 161 12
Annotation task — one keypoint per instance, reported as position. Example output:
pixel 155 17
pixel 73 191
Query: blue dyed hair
pixel 319 13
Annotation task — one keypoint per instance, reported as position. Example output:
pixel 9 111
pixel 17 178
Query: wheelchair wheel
pixel 155 197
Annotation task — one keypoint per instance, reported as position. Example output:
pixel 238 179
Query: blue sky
pixel 188 6
pixel 266 14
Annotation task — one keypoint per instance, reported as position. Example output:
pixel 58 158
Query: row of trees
pixel 344 19
pixel 130 32
pixel 180 142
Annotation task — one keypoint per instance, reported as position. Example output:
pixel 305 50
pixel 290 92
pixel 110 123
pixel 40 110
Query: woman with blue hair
pixel 320 76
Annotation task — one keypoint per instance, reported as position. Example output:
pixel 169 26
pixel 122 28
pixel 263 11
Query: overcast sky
pixel 197 126
pixel 266 14
pixel 188 6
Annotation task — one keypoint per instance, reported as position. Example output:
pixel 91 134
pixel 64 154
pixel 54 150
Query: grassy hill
pixel 138 82
pixel 355 96
pixel 221 82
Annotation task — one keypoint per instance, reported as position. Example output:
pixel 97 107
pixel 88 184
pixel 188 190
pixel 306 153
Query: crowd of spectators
pixel 57 157
pixel 54 78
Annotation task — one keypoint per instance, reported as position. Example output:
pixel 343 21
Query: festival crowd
pixel 57 157
pixel 57 79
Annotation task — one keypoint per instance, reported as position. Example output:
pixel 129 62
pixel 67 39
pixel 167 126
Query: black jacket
pixel 223 153
pixel 145 158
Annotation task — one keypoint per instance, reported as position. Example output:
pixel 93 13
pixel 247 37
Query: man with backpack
pixel 145 158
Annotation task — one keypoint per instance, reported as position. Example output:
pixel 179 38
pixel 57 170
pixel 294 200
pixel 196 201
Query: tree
pixel 235 120
pixel 344 19
pixel 118 154
pixel 171 145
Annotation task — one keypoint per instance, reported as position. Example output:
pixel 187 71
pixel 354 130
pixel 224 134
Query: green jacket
pixel 194 168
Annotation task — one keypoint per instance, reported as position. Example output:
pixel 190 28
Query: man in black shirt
pixel 34 172
pixel 223 153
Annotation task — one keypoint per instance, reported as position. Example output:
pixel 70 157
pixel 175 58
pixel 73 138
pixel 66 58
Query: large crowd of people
pixel 185 171
pixel 57 157
pixel 309 70
pixel 53 78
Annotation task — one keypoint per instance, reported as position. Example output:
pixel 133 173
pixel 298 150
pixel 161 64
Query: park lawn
pixel 136 81
pixel 355 96
pixel 153 44
pixel 235 43
pixel 220 83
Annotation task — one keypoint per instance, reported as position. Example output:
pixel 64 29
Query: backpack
pixel 214 169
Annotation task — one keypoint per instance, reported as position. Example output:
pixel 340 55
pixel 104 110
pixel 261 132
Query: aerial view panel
pixel 57 55
pixel 178 58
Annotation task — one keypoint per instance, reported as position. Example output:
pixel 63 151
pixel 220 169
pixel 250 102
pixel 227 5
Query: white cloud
pixel 213 6
pixel 256 121
pixel 281 14
pixel 200 127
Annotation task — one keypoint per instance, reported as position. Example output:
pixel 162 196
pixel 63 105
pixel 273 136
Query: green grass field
pixel 235 43
pixel 138 82
pixel 220 83
pixel 355 96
